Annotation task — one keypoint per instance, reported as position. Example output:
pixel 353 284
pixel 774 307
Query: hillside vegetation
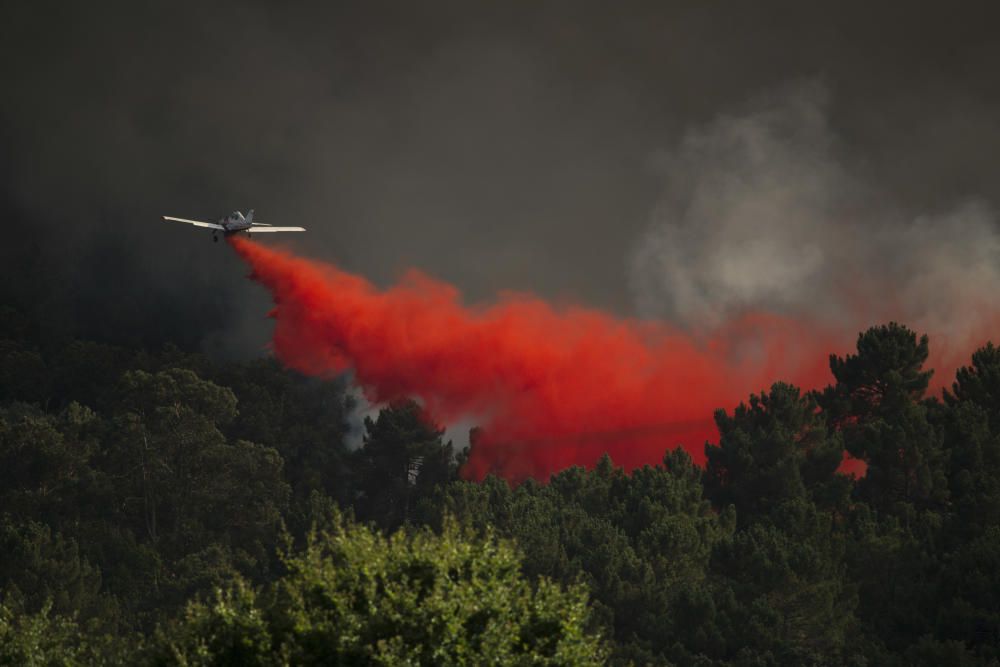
pixel 160 508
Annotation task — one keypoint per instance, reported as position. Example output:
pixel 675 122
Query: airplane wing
pixel 196 223
pixel 261 224
pixel 276 229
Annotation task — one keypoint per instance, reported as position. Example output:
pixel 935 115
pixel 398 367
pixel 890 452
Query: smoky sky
pixel 534 146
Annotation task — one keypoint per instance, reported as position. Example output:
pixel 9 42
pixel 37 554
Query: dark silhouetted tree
pixel 773 450
pixel 877 404
pixel 403 459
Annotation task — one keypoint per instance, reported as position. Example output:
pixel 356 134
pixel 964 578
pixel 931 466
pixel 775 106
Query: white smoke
pixel 360 409
pixel 761 210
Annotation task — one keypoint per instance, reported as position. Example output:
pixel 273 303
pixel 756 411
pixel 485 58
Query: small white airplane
pixel 234 223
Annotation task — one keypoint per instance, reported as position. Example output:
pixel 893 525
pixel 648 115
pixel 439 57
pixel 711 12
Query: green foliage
pixel 43 639
pixel 159 489
pixel 42 570
pixel 886 371
pixel 968 600
pixel 23 373
pixel 304 420
pixel 772 451
pixel 354 596
pixel 877 404
pixel 134 509
pixel 971 421
pixel 38 640
pixel 783 591
pixel 229 630
pixel 640 541
pixel 44 459
pixel 403 459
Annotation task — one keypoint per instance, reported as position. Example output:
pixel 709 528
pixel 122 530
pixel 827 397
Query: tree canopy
pixel 158 507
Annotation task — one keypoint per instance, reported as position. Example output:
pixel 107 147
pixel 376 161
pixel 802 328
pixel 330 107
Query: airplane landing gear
pixel 215 238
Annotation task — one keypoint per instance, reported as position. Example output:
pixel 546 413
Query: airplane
pixel 234 223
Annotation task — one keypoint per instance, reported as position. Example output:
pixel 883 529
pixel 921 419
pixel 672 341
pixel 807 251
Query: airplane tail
pixel 249 216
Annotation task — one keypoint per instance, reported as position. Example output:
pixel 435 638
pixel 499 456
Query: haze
pixel 497 146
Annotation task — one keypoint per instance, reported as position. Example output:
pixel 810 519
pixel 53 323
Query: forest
pixel 159 507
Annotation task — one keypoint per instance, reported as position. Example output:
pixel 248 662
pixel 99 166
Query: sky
pixel 673 160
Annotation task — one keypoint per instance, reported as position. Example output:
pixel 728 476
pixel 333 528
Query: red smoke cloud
pixel 552 387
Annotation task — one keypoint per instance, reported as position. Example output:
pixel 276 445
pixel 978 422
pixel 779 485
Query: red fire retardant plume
pixel 551 387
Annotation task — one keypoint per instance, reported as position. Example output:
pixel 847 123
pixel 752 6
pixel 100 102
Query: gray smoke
pixel 763 209
pixel 496 145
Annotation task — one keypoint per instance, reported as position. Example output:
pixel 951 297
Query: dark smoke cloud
pixel 496 145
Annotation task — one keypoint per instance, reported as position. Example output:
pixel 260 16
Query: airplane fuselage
pixel 235 222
